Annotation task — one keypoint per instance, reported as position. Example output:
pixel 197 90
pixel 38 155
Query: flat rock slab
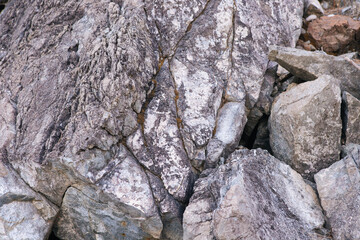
pixel 311 65
pixel 305 126
pixel 252 196
pixel 339 191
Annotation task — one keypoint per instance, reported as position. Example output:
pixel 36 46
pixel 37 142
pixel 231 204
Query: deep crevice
pixel 344 118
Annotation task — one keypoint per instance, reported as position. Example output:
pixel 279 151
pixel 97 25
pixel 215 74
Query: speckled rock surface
pixel 305 126
pixel 339 192
pixel 252 196
pixel 352 118
pixel 115 102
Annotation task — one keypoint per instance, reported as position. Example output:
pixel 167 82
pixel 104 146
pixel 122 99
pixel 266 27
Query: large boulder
pixel 339 191
pixel 305 126
pixel 311 65
pixel 253 196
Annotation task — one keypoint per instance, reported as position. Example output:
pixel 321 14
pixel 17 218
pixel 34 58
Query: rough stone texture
pixel 99 91
pixel 352 118
pixel 311 65
pixel 24 214
pixel 229 127
pixel 305 126
pixel 88 214
pixel 335 35
pixel 339 192
pixel 253 196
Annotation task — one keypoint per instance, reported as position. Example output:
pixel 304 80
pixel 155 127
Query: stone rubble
pixel 123 119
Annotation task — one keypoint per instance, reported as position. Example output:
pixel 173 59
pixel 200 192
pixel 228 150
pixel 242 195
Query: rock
pixel 305 126
pixel 352 117
pixel 311 65
pixel 313 7
pixel 24 213
pixel 335 35
pixel 338 188
pixel 122 195
pixel 229 127
pixel 252 196
pixel 88 214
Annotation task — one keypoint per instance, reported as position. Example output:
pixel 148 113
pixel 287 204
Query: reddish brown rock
pixel 335 35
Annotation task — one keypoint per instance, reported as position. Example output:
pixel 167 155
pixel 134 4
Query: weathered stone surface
pixel 24 214
pixel 88 214
pixel 339 192
pixel 126 185
pixel 252 196
pixel 336 35
pixel 229 127
pixel 305 126
pixel 311 65
pixel 352 118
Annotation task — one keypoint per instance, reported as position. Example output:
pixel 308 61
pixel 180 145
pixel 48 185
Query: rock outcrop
pixel 339 192
pixel 305 126
pixel 253 196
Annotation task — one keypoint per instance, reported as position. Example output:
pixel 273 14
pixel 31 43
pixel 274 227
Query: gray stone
pixel 24 213
pixel 125 184
pixel 311 65
pixel 252 196
pixel 86 213
pixel 352 118
pixel 339 192
pixel 305 126
pixel 229 127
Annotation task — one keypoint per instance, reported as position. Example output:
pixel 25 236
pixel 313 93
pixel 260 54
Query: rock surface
pixel 352 118
pixel 24 213
pixel 305 126
pixel 313 7
pixel 311 65
pixel 252 196
pixel 336 34
pixel 339 192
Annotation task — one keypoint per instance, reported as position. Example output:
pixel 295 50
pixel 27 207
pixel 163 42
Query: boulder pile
pixel 140 119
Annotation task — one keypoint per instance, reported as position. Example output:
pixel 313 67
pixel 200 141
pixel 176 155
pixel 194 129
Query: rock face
pixel 336 34
pixel 24 214
pixel 113 108
pixel 313 7
pixel 338 188
pixel 311 65
pixel 305 126
pixel 352 118
pixel 252 196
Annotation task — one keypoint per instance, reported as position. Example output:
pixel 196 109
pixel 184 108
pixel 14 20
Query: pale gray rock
pixel 305 126
pixel 24 213
pixel 86 213
pixel 352 118
pixel 158 146
pixel 126 184
pixel 170 20
pixel 339 192
pixel 229 127
pixel 253 196
pixel 311 65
